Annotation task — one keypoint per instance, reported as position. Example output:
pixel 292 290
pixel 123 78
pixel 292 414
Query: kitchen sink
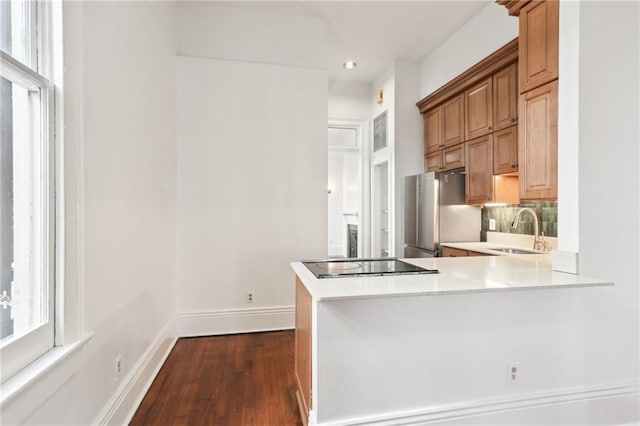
pixel 514 251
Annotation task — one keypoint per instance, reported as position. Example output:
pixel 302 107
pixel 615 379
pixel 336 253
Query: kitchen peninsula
pixel 410 348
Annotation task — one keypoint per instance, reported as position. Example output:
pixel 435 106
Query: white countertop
pixel 457 275
pixel 488 248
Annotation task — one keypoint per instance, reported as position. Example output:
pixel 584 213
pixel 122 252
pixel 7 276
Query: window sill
pixel 51 370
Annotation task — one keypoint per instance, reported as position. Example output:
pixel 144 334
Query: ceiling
pixel 375 33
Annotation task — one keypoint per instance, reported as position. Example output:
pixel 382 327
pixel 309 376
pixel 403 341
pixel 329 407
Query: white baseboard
pixel 121 407
pixel 228 321
pixel 483 409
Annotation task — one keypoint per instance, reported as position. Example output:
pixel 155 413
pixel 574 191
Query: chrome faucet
pixel 538 243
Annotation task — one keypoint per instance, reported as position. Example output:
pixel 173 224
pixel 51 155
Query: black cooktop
pixel 343 268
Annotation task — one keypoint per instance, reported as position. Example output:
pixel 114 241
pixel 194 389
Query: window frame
pixel 21 351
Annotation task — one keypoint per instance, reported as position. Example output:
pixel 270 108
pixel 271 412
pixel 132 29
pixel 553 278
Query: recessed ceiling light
pixel 349 65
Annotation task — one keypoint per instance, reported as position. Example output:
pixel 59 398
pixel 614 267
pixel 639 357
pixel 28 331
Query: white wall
pixel 350 104
pixel 350 99
pixel 252 164
pixel 482 35
pixel 568 128
pixel 120 115
pixel 608 168
pixel 345 197
pixel 450 356
pixel 409 150
pixel 386 82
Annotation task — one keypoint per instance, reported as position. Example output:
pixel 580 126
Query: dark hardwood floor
pixel 240 379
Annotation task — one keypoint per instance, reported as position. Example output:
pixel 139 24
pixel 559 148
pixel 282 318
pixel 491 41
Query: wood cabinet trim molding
pixel 513 6
pixel 502 57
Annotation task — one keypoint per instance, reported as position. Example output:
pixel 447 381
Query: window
pixel 27 210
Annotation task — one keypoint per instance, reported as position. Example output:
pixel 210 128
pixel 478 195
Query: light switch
pixel 492 224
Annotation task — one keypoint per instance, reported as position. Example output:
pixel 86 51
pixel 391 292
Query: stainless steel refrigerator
pixel 435 212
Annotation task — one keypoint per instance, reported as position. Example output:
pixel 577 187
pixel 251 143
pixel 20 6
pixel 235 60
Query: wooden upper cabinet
pixel 538 48
pixel 478 111
pixel 505 151
pixel 479 170
pixel 452 157
pixel 538 143
pixel 432 130
pixel 453 121
pixel 505 97
pixel 433 162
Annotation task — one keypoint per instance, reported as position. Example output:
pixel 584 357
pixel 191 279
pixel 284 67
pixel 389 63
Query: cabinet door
pixel 453 252
pixel 479 173
pixel 505 151
pixel 538 143
pixel 302 360
pixel 453 157
pixel 477 253
pixel 453 121
pixel 505 97
pixel 478 109
pixel 432 130
pixel 433 162
pixel 538 46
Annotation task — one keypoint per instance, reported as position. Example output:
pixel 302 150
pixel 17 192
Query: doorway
pixel 346 184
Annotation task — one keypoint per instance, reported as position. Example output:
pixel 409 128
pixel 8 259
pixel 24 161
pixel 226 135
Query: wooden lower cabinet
pixel 454 252
pixel 303 350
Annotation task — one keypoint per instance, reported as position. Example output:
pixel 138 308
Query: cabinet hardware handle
pixel 513 120
pixel 489 127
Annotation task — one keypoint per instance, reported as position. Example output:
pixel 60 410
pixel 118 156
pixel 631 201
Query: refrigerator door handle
pixel 418 204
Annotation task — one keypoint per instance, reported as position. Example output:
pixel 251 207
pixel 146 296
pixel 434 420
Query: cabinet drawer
pixel 453 158
pixel 432 162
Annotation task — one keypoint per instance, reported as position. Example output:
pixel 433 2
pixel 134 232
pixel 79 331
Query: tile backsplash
pixel 547 215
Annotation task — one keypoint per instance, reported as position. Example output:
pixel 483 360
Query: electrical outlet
pixel 250 297
pixel 513 372
pixel 117 368
pixel 492 224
